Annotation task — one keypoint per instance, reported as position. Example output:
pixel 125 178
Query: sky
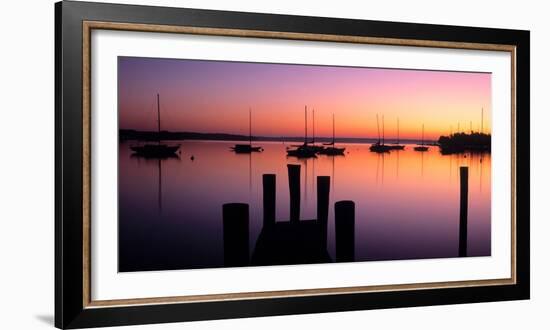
pixel 215 97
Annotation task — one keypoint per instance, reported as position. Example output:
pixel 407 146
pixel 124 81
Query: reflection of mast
pixel 450 168
pixel 480 170
pixel 383 163
pixel 159 193
pixel 250 172
pixel 377 167
pixel 313 175
pixel 333 177
pixel 380 171
pixel 422 165
pixel 305 182
pixel 397 167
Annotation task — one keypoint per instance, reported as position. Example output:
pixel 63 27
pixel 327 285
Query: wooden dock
pixel 293 241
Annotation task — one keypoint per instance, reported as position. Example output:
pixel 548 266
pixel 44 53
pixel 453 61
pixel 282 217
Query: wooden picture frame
pixel 74 307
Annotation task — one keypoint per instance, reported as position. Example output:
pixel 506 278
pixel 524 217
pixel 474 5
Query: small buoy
pixel 192 158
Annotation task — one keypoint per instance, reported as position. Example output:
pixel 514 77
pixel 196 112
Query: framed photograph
pixel 215 164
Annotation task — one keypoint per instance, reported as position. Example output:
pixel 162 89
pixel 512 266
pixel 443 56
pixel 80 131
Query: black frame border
pixel 69 307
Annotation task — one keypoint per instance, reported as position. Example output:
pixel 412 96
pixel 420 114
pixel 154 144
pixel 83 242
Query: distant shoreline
pixel 128 134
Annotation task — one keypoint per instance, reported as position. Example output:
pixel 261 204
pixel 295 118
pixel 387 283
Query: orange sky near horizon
pixel 214 97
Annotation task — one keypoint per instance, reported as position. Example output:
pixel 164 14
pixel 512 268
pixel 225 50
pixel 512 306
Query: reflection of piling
pixel 294 185
pixel 235 234
pixel 463 230
pixel 269 198
pixel 344 214
pixel 323 191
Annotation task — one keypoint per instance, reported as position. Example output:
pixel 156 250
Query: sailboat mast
pixel 397 130
pixel 313 139
pixel 378 128
pixel 422 134
pixel 333 135
pixel 305 116
pixel 481 120
pixel 250 126
pixel 383 136
pixel 158 116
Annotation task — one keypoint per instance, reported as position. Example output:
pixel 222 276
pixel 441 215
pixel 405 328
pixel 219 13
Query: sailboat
pixel 379 146
pixel 304 150
pixel 332 151
pixel 247 148
pixel 156 150
pixel 421 147
pixel 397 146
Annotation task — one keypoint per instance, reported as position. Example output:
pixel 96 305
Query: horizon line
pixel 282 137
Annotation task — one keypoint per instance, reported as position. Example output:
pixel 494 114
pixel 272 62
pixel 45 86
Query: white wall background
pixel 27 163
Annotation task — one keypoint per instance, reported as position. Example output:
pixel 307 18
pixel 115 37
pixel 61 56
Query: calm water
pixel 406 202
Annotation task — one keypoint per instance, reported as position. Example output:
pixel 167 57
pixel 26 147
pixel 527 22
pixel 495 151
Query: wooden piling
pixel 323 192
pixel 294 186
pixel 268 181
pixel 344 215
pixel 463 230
pixel 235 234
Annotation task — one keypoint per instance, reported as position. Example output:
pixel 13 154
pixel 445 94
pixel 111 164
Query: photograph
pixel 244 164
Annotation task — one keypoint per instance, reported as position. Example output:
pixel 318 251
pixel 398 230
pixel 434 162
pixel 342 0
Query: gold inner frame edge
pixel 88 26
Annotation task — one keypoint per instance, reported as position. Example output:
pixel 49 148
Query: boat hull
pixel 380 148
pixel 318 149
pixel 396 147
pixel 302 152
pixel 245 149
pixel 155 150
pixel 332 151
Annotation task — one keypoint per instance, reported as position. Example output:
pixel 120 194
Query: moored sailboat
pixel 421 147
pixel 396 145
pixel 332 150
pixel 379 146
pixel 156 150
pixel 304 150
pixel 247 148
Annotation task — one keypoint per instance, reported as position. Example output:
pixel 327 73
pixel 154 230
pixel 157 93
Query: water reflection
pixel 170 210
